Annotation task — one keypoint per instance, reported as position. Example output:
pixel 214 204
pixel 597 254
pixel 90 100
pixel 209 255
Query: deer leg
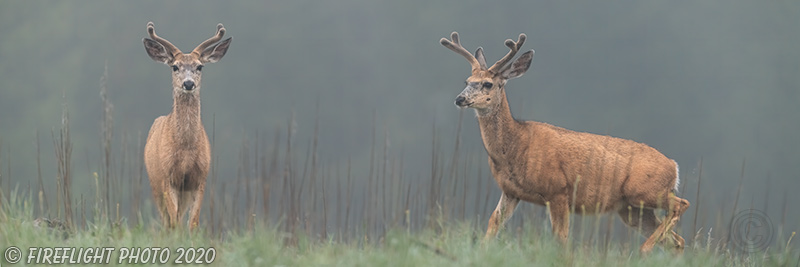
pixel 171 205
pixel 676 208
pixel 162 210
pixel 184 203
pixel 194 214
pixel 159 199
pixel 505 208
pixel 644 220
pixel 679 242
pixel 559 217
pixel 647 223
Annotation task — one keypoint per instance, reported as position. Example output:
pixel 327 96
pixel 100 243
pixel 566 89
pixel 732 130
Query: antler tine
pixel 455 45
pixel 151 29
pixel 514 46
pixel 218 36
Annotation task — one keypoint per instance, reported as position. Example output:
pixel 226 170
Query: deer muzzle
pixel 461 101
pixel 188 85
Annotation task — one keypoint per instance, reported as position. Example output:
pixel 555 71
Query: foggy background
pixel 711 79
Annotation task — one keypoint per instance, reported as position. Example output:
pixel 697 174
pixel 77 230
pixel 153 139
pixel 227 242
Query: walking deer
pixel 177 154
pixel 565 170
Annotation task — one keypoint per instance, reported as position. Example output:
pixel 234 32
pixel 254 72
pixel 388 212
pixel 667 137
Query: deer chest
pixel 188 167
pixel 516 180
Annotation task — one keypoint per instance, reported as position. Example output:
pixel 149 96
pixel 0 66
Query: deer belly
pixel 592 198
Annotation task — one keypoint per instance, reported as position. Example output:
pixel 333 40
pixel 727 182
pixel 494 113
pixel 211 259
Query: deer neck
pixel 499 131
pixel 186 118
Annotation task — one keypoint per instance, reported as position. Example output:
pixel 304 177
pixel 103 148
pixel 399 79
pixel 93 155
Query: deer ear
pixel 156 51
pixel 519 67
pixel 216 52
pixel 481 58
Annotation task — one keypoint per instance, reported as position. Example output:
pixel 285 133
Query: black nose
pixel 460 101
pixel 188 85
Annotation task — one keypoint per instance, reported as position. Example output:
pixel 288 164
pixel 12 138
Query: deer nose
pixel 460 101
pixel 188 85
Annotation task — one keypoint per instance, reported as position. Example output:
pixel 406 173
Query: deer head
pixel 484 87
pixel 186 68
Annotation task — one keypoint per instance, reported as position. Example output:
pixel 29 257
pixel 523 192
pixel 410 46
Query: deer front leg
pixel 160 200
pixel 677 206
pixel 171 205
pixel 194 213
pixel 559 217
pixel 505 208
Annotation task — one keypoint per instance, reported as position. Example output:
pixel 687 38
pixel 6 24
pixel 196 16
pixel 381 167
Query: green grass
pixel 453 244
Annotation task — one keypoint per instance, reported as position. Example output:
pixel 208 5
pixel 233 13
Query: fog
pixel 713 80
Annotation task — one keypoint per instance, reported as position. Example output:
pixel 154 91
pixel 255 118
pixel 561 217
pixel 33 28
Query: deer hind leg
pixel 677 206
pixel 559 217
pixel 505 208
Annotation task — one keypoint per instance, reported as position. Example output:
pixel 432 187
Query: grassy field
pixel 449 244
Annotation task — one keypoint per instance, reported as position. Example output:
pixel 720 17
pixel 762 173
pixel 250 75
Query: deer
pixel 177 153
pixel 566 171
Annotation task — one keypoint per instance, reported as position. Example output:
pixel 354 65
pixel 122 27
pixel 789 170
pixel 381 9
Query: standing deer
pixel 177 154
pixel 563 169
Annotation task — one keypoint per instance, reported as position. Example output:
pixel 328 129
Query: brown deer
pixel 563 169
pixel 177 154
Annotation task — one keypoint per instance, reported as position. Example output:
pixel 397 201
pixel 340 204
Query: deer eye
pixel 487 85
pixel 174 67
pixel 199 67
